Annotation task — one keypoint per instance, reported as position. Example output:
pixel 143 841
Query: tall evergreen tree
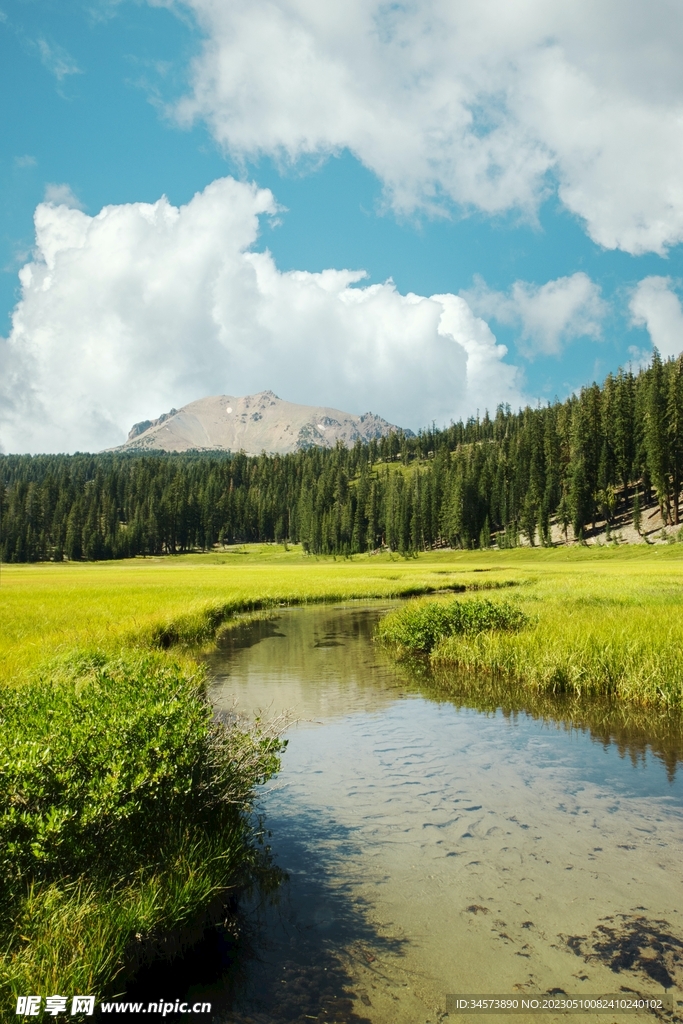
pixel 656 437
pixel 674 422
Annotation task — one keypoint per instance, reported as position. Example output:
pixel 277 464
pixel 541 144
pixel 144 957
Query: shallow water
pixel 435 848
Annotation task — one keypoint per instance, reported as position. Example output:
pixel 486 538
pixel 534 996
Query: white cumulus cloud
pixel 147 306
pixel 489 105
pixel 546 316
pixel 656 306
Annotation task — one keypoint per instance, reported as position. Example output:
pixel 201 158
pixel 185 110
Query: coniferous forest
pixel 472 484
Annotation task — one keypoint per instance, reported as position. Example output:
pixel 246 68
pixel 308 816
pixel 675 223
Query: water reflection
pixel 363 675
pixel 313 663
pixel 633 730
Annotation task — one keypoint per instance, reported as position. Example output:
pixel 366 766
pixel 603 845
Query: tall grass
pixel 421 625
pixel 613 634
pixel 633 657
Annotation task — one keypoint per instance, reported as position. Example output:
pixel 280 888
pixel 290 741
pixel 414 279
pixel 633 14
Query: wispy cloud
pixel 25 161
pixel 103 10
pixel 57 60
pixel 21 252
pixel 62 195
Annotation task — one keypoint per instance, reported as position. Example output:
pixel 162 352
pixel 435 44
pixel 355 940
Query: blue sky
pixel 95 114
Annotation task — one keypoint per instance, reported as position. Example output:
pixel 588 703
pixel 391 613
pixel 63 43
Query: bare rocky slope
pixel 253 424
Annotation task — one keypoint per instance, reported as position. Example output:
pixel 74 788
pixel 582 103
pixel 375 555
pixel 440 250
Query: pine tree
pixel 637 515
pixel 544 524
pixel 581 503
pixel 655 434
pixel 529 518
pixel 564 516
pixel 373 540
pixel 583 466
pixel 623 428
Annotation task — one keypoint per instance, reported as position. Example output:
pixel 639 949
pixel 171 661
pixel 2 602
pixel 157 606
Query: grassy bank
pixel 124 810
pixel 602 619
pixel 612 627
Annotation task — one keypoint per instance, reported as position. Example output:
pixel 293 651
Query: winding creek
pixel 433 847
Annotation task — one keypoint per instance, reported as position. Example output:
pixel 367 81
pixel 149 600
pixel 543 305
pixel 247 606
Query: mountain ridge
pixel 253 424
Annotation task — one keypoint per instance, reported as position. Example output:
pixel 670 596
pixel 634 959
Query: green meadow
pixel 50 609
pixel 125 809
pixel 602 619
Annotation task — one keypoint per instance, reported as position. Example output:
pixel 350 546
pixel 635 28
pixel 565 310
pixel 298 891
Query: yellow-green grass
pixel 607 619
pixel 51 609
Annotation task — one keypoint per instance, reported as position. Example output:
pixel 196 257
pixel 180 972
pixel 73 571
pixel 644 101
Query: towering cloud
pixel 148 306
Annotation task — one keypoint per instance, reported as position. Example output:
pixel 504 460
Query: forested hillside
pixel 472 484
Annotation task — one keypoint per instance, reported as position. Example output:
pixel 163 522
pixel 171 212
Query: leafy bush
pixel 420 625
pixel 95 768
pixel 124 811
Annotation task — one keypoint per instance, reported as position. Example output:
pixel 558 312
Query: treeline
pixel 472 484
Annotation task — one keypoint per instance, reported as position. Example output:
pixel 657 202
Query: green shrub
pixel 419 625
pixel 95 768
pixel 124 810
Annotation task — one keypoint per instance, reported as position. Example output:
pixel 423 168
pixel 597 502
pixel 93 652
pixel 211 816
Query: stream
pixel 438 844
